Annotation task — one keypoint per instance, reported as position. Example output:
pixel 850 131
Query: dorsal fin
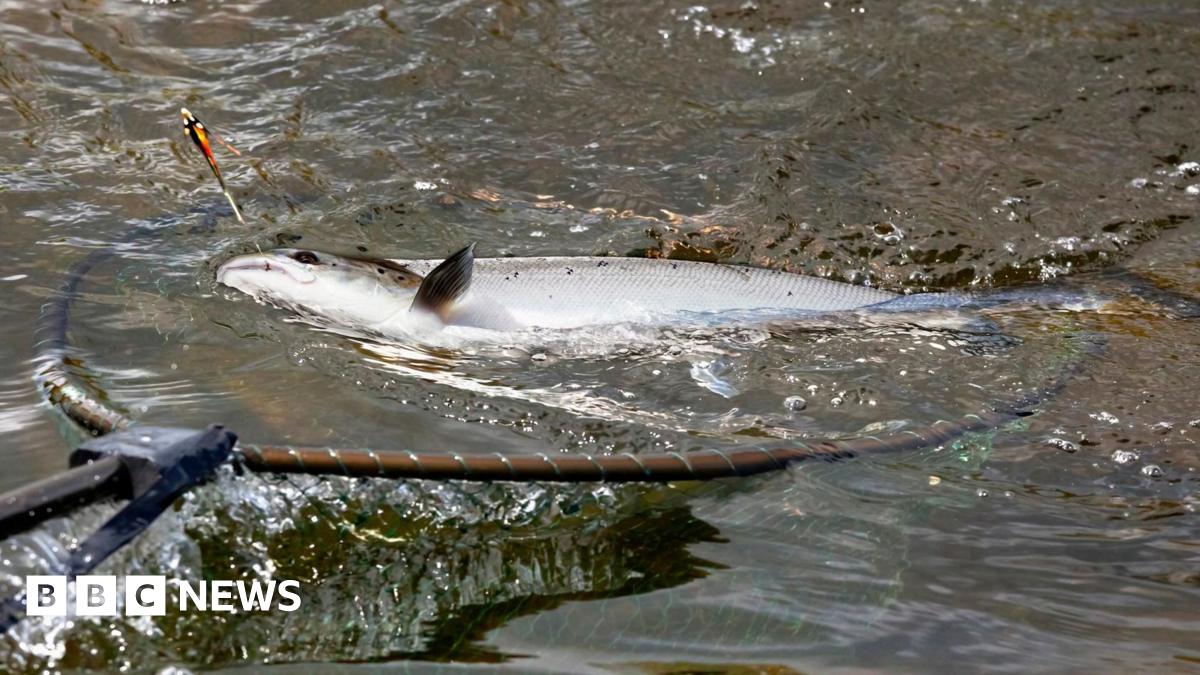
pixel 446 283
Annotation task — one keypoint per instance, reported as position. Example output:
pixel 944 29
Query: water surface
pixel 913 145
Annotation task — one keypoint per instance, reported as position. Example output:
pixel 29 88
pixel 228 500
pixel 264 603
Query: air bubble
pixel 1124 457
pixel 794 403
pixel 1063 444
pixel 888 233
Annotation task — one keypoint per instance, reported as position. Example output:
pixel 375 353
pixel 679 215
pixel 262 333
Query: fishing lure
pixel 194 129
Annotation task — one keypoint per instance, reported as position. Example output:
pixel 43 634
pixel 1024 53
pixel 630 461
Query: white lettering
pixel 222 596
pixel 255 598
pixel 196 594
pixel 146 595
pixel 293 597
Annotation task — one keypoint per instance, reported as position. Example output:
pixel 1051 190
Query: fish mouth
pixel 257 264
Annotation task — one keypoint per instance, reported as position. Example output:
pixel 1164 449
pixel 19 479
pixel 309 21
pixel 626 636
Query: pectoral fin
pixel 447 283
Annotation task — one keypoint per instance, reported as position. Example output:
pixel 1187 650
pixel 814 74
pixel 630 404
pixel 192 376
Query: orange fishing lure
pixel 194 129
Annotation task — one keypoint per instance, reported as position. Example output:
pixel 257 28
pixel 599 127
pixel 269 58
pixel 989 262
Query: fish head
pixel 344 290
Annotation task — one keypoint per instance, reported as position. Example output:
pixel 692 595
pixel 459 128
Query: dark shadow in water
pixel 653 546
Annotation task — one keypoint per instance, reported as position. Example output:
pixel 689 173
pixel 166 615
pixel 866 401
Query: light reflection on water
pixel 911 145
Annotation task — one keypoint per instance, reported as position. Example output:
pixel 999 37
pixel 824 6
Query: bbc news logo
pixel 146 595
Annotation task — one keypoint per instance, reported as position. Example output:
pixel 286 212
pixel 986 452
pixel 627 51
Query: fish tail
pixel 1044 297
pixel 1088 292
pixel 1127 283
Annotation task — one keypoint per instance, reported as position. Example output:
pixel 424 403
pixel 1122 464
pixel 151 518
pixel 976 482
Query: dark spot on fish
pixel 674 266
pixel 789 294
pixel 361 248
pixel 379 270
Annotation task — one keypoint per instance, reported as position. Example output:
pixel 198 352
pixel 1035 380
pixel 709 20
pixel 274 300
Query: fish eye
pixel 306 257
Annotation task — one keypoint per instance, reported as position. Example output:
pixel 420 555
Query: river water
pixel 917 145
